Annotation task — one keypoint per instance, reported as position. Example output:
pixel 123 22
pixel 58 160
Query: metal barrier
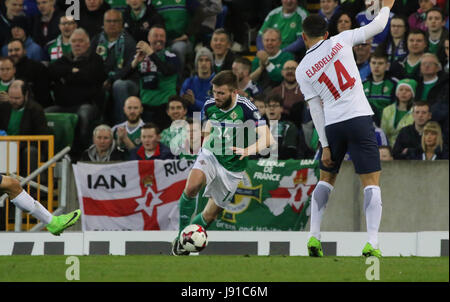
pixel 15 159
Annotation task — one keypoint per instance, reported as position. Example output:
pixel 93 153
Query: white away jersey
pixel 329 71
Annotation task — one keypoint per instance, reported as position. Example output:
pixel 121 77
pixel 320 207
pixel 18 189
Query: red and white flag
pixel 133 195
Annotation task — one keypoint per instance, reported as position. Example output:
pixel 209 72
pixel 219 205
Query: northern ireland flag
pixel 133 195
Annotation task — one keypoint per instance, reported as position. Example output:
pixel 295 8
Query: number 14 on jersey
pixel 341 73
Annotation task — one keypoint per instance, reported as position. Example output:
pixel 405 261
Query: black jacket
pixel 139 28
pixel 409 138
pixel 92 22
pixel 82 87
pixel 33 120
pixel 52 28
pixel 439 90
pixel 37 76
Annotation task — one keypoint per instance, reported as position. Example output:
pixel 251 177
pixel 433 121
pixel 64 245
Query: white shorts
pixel 221 184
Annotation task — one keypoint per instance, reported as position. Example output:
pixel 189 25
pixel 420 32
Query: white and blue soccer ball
pixel 193 238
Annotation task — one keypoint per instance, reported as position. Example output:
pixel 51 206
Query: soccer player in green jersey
pixel 223 158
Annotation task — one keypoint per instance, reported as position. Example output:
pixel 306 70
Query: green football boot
pixel 369 251
pixel 314 247
pixel 62 222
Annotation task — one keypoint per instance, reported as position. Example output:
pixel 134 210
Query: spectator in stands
pixel 242 68
pixel 408 142
pixel 139 17
pixel 385 153
pixel 417 19
pixel 260 103
pixel 417 44
pixel 362 55
pixel 45 24
pixel 286 132
pixel 395 44
pixel 14 8
pixel 196 89
pixel 92 16
pixel 432 145
pixel 20 30
pixel 158 70
pixel 61 45
pixel 329 10
pixel 379 87
pixel 178 19
pixel 268 63
pixel 7 73
pixel 398 115
pixel 177 111
pixel 34 73
pixel 436 32
pixel 365 17
pixel 104 147
pixel 117 49
pixel 220 45
pixel 432 84
pixel 128 133
pixel 288 19
pixel 210 9
pixel 289 90
pixel 343 21
pixel 151 147
pixel 78 80
pixel 21 115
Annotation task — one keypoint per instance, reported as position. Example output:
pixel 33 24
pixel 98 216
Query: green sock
pixel 187 208
pixel 200 220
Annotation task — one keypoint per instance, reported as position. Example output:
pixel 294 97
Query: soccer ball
pixel 194 238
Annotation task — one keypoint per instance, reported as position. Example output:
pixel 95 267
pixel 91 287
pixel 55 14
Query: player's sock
pixel 318 203
pixel 29 205
pixel 187 208
pixel 200 221
pixel 372 210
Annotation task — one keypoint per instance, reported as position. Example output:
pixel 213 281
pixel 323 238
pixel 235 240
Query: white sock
pixel 372 210
pixel 319 201
pixel 31 206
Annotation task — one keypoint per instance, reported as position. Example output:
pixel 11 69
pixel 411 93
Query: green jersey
pixel 155 87
pixel 4 86
pixel 433 46
pixel 290 25
pixel 234 127
pixel 176 16
pixel 427 86
pixel 379 94
pixel 410 69
pixel 134 134
pixel 56 49
pixel 14 121
pixel 275 65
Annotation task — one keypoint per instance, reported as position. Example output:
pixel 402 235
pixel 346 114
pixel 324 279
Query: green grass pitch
pixel 159 268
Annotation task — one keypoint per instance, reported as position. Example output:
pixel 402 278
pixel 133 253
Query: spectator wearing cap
pixel 195 90
pixel 45 24
pixel 14 8
pixel 20 30
pixel 398 115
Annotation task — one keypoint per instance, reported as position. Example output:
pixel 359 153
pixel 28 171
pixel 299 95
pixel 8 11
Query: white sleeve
pixel 318 117
pixel 364 33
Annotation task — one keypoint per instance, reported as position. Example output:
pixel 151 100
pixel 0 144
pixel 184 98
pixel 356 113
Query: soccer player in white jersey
pixel 330 81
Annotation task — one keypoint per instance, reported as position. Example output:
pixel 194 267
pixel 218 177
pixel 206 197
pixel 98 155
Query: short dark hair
pixel 435 9
pixel 275 97
pixel 379 54
pixel 176 98
pixel 418 32
pixel 315 26
pixel 151 126
pixel 222 31
pixel 420 104
pixel 17 40
pixel 244 61
pixel 225 77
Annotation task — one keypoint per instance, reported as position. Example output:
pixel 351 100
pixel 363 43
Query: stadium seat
pixel 63 128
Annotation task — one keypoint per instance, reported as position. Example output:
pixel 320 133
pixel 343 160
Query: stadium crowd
pixel 129 68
